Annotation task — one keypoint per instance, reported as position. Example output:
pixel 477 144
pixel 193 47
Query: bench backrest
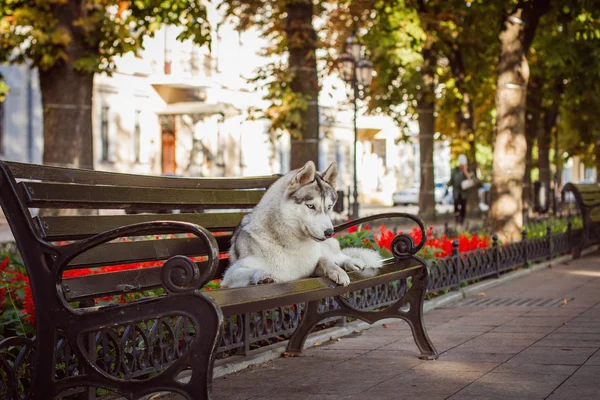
pixel 114 200
pixel 587 197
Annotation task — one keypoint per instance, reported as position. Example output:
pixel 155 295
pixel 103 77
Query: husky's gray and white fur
pixel 289 234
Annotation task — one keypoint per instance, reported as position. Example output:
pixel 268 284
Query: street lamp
pixel 358 72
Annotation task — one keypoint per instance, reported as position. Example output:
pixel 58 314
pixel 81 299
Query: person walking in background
pixel 462 180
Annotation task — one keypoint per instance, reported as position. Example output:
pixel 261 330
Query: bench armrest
pixel 179 273
pixel 403 245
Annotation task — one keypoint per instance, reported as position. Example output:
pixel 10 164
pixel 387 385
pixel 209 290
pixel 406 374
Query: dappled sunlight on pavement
pixel 524 351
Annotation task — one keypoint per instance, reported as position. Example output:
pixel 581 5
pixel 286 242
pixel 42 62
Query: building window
pixel 2 105
pixel 195 62
pixel 104 132
pixel 137 136
pixel 208 65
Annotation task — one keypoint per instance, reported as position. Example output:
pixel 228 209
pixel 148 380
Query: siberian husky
pixel 289 234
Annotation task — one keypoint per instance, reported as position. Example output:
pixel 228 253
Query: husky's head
pixel 311 196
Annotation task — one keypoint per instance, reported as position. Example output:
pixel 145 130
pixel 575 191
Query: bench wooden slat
pixel 119 282
pixel 64 195
pixel 77 227
pixel 238 300
pixel 86 176
pixel 587 187
pixel 595 215
pixel 591 199
pixel 145 250
pixel 263 297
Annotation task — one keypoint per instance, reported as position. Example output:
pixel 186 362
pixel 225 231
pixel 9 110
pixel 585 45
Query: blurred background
pixel 391 91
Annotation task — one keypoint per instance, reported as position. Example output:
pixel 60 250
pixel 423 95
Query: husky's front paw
pixel 261 278
pixel 353 264
pixel 339 276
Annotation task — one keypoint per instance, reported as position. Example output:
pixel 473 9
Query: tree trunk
pixel 465 116
pixel 544 140
pixel 67 101
pixel 597 154
pixel 426 107
pixel 508 167
pixel 67 104
pixel 302 42
pixel 534 102
pixel 67 97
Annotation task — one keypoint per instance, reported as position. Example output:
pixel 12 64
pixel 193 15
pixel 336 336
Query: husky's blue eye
pixel 311 206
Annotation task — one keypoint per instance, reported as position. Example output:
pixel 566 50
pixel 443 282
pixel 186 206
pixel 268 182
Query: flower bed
pixel 435 246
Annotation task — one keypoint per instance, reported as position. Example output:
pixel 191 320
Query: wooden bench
pixel 587 199
pixel 105 344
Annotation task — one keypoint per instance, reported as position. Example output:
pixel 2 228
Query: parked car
pixel 406 196
pixel 440 194
pixel 484 197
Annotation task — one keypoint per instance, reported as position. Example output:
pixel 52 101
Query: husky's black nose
pixel 328 233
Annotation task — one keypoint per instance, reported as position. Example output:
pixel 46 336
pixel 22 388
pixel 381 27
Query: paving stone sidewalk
pixel 520 342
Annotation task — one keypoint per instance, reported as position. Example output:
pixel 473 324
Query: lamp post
pixel 358 72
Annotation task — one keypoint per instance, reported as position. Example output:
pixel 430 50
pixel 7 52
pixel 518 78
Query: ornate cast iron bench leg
pixel 205 323
pixel 310 319
pixel 413 316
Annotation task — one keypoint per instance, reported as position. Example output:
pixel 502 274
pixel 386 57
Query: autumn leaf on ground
pixel 334 339
pixel 481 294
pixel 289 355
pixel 356 331
pixel 385 326
pixel 317 344
pixel 564 302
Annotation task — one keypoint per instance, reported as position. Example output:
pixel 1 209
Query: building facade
pixel 179 109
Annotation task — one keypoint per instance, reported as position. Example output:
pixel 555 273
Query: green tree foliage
pixel 467 33
pixel 4 89
pixel 564 58
pixel 291 79
pixel 69 41
pixel 41 31
pixel 405 62
pixel 433 67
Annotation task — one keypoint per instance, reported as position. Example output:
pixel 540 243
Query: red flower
pixel 4 264
pixel 384 240
pixel 28 305
pixel 2 297
pixel 352 229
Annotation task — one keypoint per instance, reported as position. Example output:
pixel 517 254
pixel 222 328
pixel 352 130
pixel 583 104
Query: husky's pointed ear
pixel 330 174
pixel 304 175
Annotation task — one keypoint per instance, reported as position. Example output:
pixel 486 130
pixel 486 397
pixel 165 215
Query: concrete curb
pixel 269 353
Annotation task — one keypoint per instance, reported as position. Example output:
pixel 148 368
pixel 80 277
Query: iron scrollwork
pixel 16 360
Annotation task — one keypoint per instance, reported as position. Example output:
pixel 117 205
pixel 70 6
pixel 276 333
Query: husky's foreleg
pixel 245 272
pixel 326 267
